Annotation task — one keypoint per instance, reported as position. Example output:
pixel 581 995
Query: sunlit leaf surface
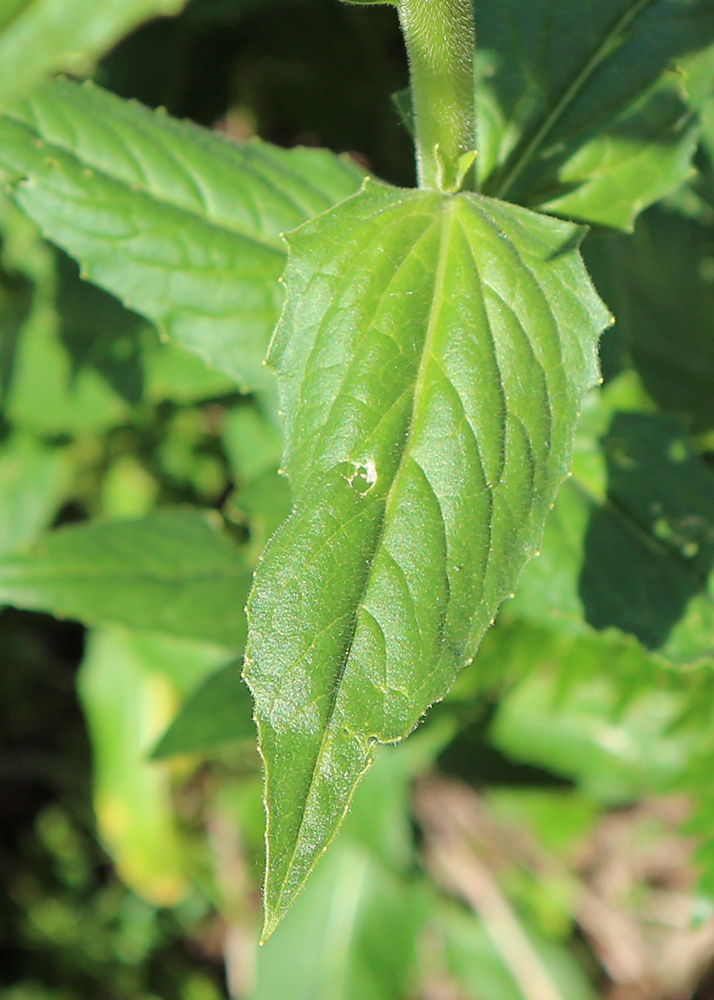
pixel 432 359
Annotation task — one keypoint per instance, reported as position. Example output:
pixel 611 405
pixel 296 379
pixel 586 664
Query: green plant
pixel 434 351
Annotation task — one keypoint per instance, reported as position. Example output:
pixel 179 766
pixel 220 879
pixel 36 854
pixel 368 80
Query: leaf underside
pixel 179 223
pixel 432 357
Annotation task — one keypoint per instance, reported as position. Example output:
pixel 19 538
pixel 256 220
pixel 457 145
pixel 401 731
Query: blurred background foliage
pixel 547 834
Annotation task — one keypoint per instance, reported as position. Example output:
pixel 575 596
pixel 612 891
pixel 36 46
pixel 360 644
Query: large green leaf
pixel 38 37
pixel 169 573
pixel 432 358
pixel 120 188
pixel 580 111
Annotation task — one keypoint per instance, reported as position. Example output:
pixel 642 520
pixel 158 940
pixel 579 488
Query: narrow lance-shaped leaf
pixel 120 188
pixel 432 358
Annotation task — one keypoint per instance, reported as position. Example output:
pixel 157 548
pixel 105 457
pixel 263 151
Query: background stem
pixel 440 40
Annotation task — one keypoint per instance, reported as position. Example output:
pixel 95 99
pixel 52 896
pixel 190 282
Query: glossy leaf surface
pixel 170 573
pixel 38 37
pixel 579 110
pixel 120 188
pixel 432 358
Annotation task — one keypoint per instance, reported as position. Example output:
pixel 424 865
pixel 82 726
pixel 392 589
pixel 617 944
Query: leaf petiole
pixel 440 40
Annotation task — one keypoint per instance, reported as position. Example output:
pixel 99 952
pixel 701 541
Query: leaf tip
pixel 270 925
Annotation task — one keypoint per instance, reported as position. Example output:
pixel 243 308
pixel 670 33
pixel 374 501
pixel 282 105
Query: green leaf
pixel 33 482
pixel 659 283
pixel 639 558
pixel 170 573
pixel 355 930
pixel 39 37
pixel 119 188
pixel 220 711
pixel 353 933
pixel 580 111
pixel 128 696
pixel 432 358
pixel 42 369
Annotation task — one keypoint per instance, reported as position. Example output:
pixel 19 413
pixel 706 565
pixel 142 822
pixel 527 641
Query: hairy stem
pixel 440 40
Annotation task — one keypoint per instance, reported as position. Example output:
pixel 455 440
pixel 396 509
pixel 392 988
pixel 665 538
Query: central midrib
pixel 439 276
pixel 569 96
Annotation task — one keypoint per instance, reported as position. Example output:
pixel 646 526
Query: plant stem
pixel 440 40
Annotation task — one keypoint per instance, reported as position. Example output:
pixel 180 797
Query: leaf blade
pixel 345 602
pixel 118 187
pixel 169 573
